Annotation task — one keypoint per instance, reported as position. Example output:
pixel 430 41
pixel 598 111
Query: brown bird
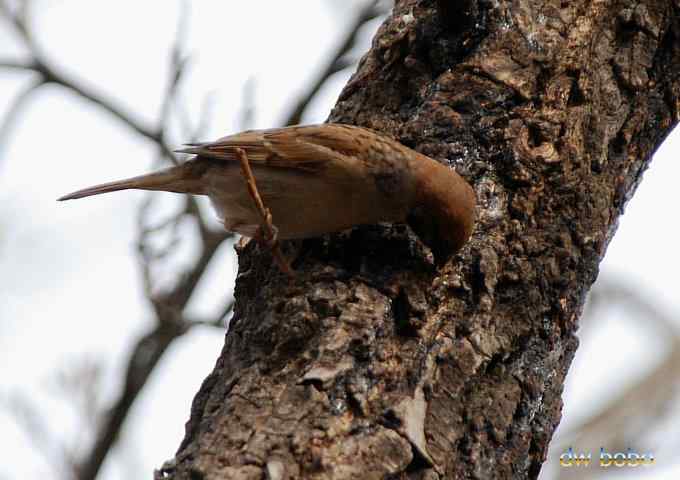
pixel 318 179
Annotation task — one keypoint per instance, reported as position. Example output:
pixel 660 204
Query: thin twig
pixel 335 64
pixel 12 115
pixel 17 64
pixel 26 413
pixel 50 74
pixel 270 234
pixel 218 321
pixel 146 355
pixel 177 67
pixel 247 115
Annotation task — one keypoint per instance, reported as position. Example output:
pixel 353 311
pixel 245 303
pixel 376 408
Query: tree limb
pixel 376 364
pixel 367 13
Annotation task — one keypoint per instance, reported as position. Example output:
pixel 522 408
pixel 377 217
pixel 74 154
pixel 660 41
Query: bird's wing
pixel 308 148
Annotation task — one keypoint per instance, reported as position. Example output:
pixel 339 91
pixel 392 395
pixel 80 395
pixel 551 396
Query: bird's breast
pixel 303 204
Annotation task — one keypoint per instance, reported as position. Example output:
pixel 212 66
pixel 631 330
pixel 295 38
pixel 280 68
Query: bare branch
pixel 335 64
pixel 219 321
pixel 146 355
pixel 170 324
pixel 247 115
pixel 205 116
pixel 12 115
pixel 156 136
pixel 30 418
pixel 177 67
pixel 17 64
pixel 18 20
pixel 610 291
pixel 51 74
pixel 620 424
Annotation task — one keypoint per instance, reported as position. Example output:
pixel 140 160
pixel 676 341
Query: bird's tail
pixel 183 178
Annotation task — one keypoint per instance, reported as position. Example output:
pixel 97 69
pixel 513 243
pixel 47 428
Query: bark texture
pixel 374 364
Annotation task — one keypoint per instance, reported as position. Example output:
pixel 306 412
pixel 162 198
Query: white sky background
pixel 70 290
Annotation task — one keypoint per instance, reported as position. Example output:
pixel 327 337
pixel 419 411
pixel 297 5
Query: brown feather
pixel 307 148
pixel 185 178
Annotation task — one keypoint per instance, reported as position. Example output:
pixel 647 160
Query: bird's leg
pixel 263 237
pixel 266 233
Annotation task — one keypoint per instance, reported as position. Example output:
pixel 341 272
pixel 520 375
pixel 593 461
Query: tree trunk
pixel 374 364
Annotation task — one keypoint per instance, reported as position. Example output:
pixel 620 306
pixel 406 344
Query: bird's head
pixel 444 212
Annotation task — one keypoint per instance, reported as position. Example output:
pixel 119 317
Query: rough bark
pixel 374 364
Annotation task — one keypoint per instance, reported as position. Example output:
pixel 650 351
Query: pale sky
pixel 71 289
